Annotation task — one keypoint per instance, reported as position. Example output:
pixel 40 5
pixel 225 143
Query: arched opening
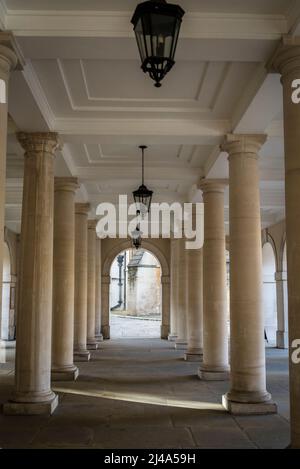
pixel 7 314
pixel 269 294
pixel 110 253
pixel 135 295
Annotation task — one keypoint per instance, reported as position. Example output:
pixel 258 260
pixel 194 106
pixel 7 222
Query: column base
pixel 92 345
pixel 249 408
pixel 30 408
pixel 172 337
pixel 164 332
pixel 99 338
pixel 282 340
pixel 66 374
pixel 82 356
pixel 181 345
pixel 210 374
pixel 193 356
pixel 106 332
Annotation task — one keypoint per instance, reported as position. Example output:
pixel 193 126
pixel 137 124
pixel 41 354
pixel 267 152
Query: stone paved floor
pixel 141 394
pixel 126 327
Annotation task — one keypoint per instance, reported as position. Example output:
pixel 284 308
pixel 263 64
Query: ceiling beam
pixel 117 24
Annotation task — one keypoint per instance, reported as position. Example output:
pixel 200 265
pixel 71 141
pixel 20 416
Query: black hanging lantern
pixel 136 235
pixel 157 26
pixel 137 238
pixel 143 196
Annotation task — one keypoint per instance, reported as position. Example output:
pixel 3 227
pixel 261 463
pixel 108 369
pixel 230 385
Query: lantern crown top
pixel 157 6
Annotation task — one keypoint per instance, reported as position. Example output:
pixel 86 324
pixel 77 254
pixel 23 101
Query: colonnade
pixel 54 228
pixel 57 289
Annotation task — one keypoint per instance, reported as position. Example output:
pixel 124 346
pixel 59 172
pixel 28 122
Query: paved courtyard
pixel 127 327
pixel 141 394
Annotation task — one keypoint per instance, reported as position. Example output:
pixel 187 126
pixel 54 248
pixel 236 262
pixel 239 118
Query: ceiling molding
pixel 142 101
pixel 137 127
pixel 117 24
pixel 38 93
pixel 99 174
pixel 211 160
pixel 249 94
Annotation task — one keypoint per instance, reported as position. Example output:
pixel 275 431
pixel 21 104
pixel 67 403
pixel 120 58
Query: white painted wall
pixel 143 295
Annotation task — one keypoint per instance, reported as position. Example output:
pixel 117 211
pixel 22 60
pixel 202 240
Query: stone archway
pixel 108 258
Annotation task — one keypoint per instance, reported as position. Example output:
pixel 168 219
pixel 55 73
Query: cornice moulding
pixel 117 24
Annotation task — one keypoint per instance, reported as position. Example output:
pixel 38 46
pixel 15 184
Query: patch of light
pixel 143 399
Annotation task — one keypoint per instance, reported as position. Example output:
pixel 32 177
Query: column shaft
pixel 215 329
pixel 92 343
pixel 248 372
pixel 63 367
pixel 287 62
pixel 98 333
pixel 181 341
pixel 80 300
pixel 165 306
pixel 105 286
pixel 195 305
pixel 174 289
pixel 33 394
pixel 282 338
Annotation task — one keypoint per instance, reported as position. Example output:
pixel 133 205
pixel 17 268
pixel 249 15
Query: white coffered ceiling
pixel 82 78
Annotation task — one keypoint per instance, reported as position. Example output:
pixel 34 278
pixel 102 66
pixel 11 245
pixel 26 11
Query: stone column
pixel 63 368
pixel 215 329
pixel 165 306
pixel 287 62
pixel 195 305
pixel 248 394
pixel 33 394
pixel 80 300
pixel 92 342
pixel 174 287
pixel 282 337
pixel 8 61
pixel 181 341
pixel 98 333
pixel 105 327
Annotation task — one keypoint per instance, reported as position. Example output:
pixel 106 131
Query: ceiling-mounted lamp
pixel 143 196
pixel 157 26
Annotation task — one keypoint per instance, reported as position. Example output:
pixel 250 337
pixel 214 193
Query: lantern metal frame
pixel 157 54
pixel 143 196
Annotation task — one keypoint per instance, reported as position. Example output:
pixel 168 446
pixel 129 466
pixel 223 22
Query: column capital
pixel 92 224
pixel 82 209
pixel 10 57
pixel 249 144
pixel 69 184
pixel 286 59
pixel 38 142
pixel 213 185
